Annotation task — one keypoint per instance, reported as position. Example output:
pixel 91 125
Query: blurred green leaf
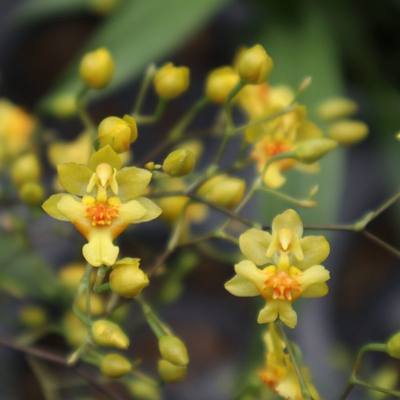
pixel 306 48
pixel 137 33
pixel 23 273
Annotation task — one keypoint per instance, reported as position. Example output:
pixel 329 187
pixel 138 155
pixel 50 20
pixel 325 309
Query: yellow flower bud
pixel 33 316
pixel 64 105
pixel 97 68
pixel 170 372
pixel 220 83
pixel 348 132
pixel 173 350
pixel 96 304
pixel 179 162
pixel 114 365
pixel 171 81
pixel 127 279
pixel 144 390
pixel 119 133
pixel 31 193
pixel 338 107
pixel 172 207
pixel 223 190
pixel 107 333
pixel 71 274
pixel 312 150
pixel 254 64
pixel 26 169
pixel 75 330
pixel 393 346
pixel 195 146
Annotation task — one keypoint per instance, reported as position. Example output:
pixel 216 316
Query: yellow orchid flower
pixel 290 268
pixel 102 200
pixel 279 373
pixel 279 135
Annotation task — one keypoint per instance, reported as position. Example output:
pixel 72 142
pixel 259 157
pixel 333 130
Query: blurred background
pixel 349 48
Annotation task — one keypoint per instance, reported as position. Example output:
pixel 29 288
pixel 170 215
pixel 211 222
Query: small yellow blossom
pixel 279 135
pixel 171 81
pixel 97 68
pixel 102 200
pixel 16 130
pixel 337 107
pixel 290 268
pixel 220 82
pixel 279 373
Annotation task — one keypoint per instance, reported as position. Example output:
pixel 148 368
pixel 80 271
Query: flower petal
pixel 50 206
pixel 273 177
pixel 269 313
pixel 289 219
pixel 286 314
pixel 74 178
pixel 100 249
pixel 132 182
pixel 105 155
pixel 254 244
pixel 241 287
pixel 315 249
pixel 152 209
pixel 248 270
pixel 316 290
pixel 313 275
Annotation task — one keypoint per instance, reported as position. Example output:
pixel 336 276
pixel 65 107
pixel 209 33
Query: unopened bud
pixel 223 190
pixel 171 81
pixel 117 132
pixel 195 146
pixel 26 169
pixel 107 333
pixel 33 316
pixel 173 350
pixel 31 193
pixel 172 207
pixel 114 365
pixel 348 132
pixel 71 274
pixel 220 83
pixel 144 390
pixel 75 330
pixel 97 68
pixel 312 150
pixel 254 64
pixel 180 162
pixel 393 346
pixel 338 107
pixel 96 304
pixel 127 279
pixel 170 372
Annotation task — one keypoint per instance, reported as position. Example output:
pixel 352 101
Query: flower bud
pixel 119 133
pixel 223 190
pixel 127 279
pixel 75 330
pixel 195 146
pixel 33 316
pixel 71 275
pixel 312 150
pixel 97 68
pixel 173 350
pixel 254 64
pixel 107 333
pixel 31 193
pixel 393 346
pixel 220 82
pixel 170 81
pixel 96 304
pixel 114 365
pixel 172 207
pixel 348 132
pixel 63 105
pixel 26 169
pixel 338 107
pixel 170 372
pixel 179 162
pixel 144 390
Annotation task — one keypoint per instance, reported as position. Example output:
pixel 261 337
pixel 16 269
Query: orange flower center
pixel 267 148
pixel 282 286
pixel 102 213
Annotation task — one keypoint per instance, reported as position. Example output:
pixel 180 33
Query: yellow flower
pixel 290 268
pixel 279 373
pixel 16 129
pixel 279 135
pixel 102 200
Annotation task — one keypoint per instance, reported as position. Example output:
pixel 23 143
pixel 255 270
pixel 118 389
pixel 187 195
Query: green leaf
pixel 307 48
pixel 138 33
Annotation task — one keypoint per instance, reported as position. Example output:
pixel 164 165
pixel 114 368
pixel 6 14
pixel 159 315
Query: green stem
pixel 83 113
pixel 151 119
pixel 307 203
pixel 147 79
